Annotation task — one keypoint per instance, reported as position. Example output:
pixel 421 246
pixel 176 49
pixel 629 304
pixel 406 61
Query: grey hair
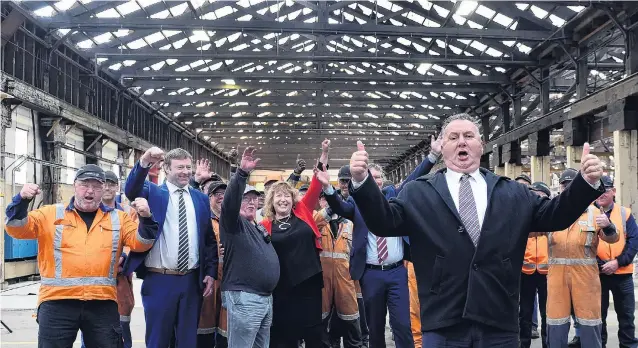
pixel 377 168
pixel 176 154
pixel 459 117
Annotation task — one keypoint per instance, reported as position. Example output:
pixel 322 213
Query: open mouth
pixel 463 155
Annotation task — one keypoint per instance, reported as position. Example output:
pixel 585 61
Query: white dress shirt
pixel 479 190
pixel 395 250
pixel 164 252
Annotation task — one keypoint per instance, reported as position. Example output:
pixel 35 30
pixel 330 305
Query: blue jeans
pixel 622 289
pixel 249 319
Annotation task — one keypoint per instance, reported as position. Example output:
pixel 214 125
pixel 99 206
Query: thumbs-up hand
pixel 590 166
pixel 359 163
pixel 602 221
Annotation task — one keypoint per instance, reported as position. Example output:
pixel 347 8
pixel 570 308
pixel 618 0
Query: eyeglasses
pixel 344 181
pixel 94 187
pixel 219 194
pixel 247 199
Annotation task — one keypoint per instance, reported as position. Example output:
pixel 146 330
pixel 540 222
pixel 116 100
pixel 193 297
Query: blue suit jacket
pixel 349 210
pixel 157 196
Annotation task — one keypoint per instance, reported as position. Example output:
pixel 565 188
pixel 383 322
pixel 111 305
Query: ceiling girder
pixel 185 99
pixel 100 24
pixel 301 110
pixel 303 86
pixel 210 121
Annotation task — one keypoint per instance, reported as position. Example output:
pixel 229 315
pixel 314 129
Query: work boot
pixel 575 343
pixel 535 334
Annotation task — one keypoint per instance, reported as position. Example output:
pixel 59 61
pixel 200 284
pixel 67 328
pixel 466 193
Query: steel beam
pixel 276 85
pixel 300 110
pixel 452 59
pixel 211 121
pixel 589 105
pixel 256 137
pixel 102 24
pixel 377 77
pixel 330 100
pixel 253 129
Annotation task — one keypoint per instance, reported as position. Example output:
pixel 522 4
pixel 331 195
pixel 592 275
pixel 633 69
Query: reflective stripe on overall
pixel 58 280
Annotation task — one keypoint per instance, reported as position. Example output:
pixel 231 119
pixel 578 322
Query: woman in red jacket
pixel 296 238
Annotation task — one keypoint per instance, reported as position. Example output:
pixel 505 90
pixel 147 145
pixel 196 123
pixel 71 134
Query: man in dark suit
pixel 470 228
pixel 182 264
pixel 378 266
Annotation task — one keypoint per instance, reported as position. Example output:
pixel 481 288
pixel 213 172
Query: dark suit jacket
pixel 157 196
pixel 457 281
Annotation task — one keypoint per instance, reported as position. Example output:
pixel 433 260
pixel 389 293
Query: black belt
pixel 385 267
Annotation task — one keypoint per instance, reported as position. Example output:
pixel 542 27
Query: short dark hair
pixel 177 153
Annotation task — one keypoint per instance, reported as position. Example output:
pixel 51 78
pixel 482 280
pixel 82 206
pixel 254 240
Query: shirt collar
pixel 172 188
pixel 453 176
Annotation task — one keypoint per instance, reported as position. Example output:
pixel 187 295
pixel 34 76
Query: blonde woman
pixel 296 238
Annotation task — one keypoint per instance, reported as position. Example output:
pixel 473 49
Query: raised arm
pixel 21 224
pixel 229 219
pixel 295 176
pixel 425 166
pixel 311 198
pixel 559 213
pixel 336 204
pixel 136 184
pixel 139 236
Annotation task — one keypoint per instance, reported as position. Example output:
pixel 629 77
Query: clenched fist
pixel 325 146
pixel 141 207
pixel 359 163
pixel 590 167
pixel 29 191
pixel 152 156
pixel 602 221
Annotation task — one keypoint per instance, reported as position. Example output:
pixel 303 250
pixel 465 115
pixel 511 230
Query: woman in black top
pixel 295 236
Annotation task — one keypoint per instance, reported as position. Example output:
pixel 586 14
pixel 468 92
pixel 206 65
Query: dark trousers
pixel 622 289
pixel 383 291
pixel 126 335
pixel 171 308
pixel 530 284
pixel 363 322
pixel 60 320
pixel 335 328
pixel 470 335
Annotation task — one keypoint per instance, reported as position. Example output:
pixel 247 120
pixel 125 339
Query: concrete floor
pixel 18 309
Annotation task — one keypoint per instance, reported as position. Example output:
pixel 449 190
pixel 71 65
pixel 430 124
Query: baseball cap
pixel 252 189
pixel 270 182
pixel 607 181
pixel 214 186
pixel 90 172
pixel 110 176
pixel 525 178
pixel 568 175
pixel 344 173
pixel 541 187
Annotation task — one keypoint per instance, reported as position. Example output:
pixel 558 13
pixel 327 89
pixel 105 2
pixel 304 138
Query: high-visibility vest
pixel 536 258
pixel 577 244
pixel 606 252
pixel 77 262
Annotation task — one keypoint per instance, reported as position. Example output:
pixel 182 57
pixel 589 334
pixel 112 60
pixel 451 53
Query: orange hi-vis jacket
pixel 213 317
pixel 339 288
pixel 125 295
pixel 536 257
pixel 76 263
pixel 607 252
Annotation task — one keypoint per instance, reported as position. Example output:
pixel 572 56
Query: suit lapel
pixel 490 179
pixel 440 185
pixel 164 199
pixel 198 213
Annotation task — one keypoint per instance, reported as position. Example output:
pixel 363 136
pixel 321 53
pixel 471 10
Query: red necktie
pixel 382 249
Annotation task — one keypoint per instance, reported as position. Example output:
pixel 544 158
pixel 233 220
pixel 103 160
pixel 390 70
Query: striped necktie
pixel 182 254
pixel 382 249
pixel 467 209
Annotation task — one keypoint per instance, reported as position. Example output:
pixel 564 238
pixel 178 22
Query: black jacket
pixel 457 281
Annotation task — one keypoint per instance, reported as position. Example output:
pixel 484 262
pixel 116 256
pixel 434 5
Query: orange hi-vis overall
pixel 607 252
pixel 415 308
pixel 213 317
pixel 573 281
pixel 536 255
pixel 338 289
pixel 75 262
pixel 125 295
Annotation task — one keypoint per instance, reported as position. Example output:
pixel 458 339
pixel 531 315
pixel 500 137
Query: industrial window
pixel 21 142
pixel 70 162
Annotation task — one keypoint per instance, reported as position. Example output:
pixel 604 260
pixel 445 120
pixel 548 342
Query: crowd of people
pixel 459 258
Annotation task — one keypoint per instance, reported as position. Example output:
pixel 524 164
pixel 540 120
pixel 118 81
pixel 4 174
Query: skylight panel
pixel 485 12
pixel 139 43
pixel 85 44
pixel 46 11
pixel 161 15
pixel 538 12
pixel 155 37
pixel 494 53
pixel 522 6
pixel 110 13
pixel 478 45
pixel 292 16
pixel 102 38
pixel 240 47
pixel 116 66
pixel 466 8
pixel 556 21
pixel 146 3
pixel 128 7
pixel 423 68
pixel 474 25
pixel 157 66
pixel 576 8
pixel 332 21
pixel 441 11
pixel 523 48
pixel 459 19
pixel 128 62
pixel 415 17
pixel 509 43
pixel 503 20
pixel 121 32
pixel 171 61
pixel 178 9
pixel 101 60
pixel 64 5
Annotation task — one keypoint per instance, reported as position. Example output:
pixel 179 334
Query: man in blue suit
pixel 182 264
pixel 382 276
